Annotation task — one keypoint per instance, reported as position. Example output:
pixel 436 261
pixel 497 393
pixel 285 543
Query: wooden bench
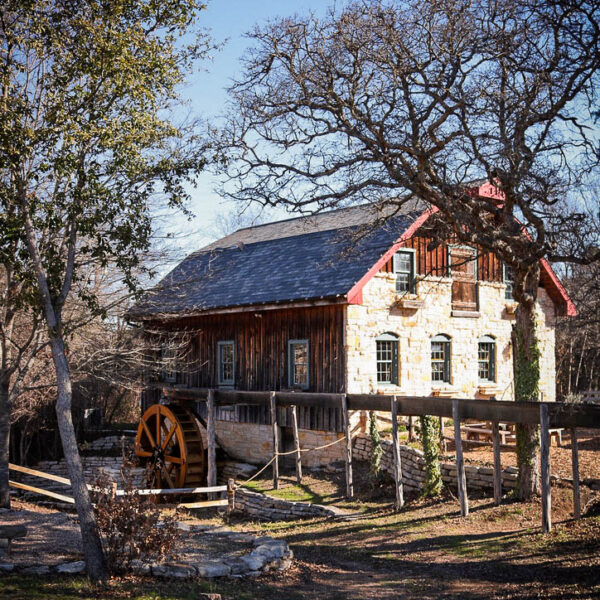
pixel 483 432
pixel 12 532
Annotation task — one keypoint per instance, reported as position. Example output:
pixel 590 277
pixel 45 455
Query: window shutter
pixel 413 273
pixel 447 364
pixel 395 362
pixel 493 362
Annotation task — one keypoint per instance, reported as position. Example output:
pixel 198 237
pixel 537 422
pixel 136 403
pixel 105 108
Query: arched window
pixel 440 358
pixel 486 358
pixel 387 358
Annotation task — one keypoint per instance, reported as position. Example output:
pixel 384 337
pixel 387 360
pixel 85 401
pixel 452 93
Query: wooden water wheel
pixel 168 438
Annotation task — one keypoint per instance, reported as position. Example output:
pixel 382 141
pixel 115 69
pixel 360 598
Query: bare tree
pixel 385 101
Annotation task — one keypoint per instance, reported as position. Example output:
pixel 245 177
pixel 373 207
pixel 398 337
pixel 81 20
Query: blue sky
pixel 228 21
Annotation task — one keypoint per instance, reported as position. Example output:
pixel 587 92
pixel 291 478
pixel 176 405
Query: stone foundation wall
pixel 253 443
pixel 267 508
pixel 380 313
pixel 93 466
pixel 413 467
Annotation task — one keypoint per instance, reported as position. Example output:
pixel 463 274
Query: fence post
pixel 397 457
pixel 497 460
pixel 545 463
pixel 460 462
pixel 273 402
pixel 297 444
pixel 211 477
pixel 230 496
pixel 348 453
pixel 411 429
pixel 575 463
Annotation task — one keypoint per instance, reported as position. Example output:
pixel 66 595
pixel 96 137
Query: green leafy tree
pixel 87 145
pixel 385 101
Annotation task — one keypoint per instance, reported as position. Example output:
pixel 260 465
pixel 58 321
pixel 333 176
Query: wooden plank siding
pixel 261 360
pixel 433 260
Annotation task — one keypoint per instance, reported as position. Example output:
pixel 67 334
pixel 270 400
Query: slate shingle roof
pixel 273 263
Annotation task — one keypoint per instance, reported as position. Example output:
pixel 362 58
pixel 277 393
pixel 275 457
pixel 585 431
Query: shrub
pixel 132 526
pixel 376 449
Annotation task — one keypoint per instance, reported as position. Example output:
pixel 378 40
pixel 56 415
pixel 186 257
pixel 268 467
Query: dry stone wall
pixel 381 313
pixel 268 508
pixel 413 467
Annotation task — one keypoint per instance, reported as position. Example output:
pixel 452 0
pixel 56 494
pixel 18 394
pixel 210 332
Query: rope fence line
pixel 290 452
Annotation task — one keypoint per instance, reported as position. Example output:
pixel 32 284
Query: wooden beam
pixel 204 504
pixel 40 474
pixel 397 457
pixel 273 404
pixel 211 478
pixel 460 462
pixel 575 463
pixel 348 449
pixel 545 464
pixel 561 415
pixel 297 444
pixel 497 461
pixel 36 490
pixel 230 495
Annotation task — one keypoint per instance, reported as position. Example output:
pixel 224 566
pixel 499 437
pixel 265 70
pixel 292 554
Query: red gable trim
pixel 355 294
pixel 556 290
pixel 570 310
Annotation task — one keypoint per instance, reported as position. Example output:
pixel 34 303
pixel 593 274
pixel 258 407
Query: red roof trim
pixel 570 308
pixel 355 294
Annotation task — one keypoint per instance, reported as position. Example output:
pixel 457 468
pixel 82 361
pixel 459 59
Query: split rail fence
pixel 548 415
pixel 215 489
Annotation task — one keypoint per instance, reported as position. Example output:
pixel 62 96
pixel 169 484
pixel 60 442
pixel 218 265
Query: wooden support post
pixel 348 453
pixel 575 463
pixel 460 462
pixel 297 444
pixel 273 402
pixel 545 463
pixel 397 457
pixel 211 478
pixel 411 429
pixel 230 496
pixel 497 462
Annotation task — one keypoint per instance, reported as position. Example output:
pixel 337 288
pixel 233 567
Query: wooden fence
pixel 548 415
pixel 215 489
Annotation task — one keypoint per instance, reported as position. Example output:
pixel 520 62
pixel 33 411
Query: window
pixel 404 268
pixel 440 358
pixel 509 281
pixel 168 359
pixel 298 365
pixel 462 261
pixel 226 362
pixel 387 358
pixel 486 358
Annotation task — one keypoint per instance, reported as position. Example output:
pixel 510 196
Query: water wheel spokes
pixel 169 440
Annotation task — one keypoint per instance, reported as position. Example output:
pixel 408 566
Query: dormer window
pixel 509 281
pixel 404 268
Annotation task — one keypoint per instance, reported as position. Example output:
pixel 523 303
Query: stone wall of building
pixel 382 312
pixel 253 443
pixel 413 467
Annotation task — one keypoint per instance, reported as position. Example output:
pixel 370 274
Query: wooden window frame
pixel 446 342
pixel 490 341
pixel 221 381
pixel 167 376
pixel 412 275
pixel 292 364
pixel 390 338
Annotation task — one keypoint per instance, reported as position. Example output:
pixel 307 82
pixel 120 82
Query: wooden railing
pixel 545 414
pixel 224 489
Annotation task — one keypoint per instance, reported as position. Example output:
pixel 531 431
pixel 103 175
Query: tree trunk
pixel 431 450
pixel 4 444
pixel 92 546
pixel 527 381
